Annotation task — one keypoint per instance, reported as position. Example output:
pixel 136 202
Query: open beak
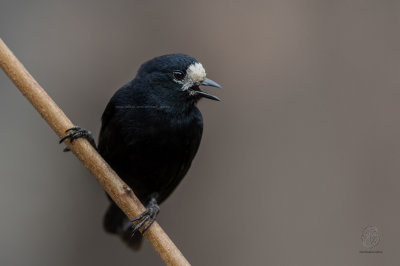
pixel 208 82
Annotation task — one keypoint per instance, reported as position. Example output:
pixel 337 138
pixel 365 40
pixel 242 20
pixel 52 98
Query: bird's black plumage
pixel 151 130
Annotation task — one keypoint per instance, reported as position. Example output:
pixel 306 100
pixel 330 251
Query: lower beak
pixel 208 82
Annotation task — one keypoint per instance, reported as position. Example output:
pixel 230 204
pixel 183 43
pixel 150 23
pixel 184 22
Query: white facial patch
pixel 196 72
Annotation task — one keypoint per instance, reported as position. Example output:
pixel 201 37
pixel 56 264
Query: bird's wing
pixel 105 132
pixel 107 114
pixel 117 126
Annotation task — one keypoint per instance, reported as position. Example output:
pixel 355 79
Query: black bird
pixel 151 130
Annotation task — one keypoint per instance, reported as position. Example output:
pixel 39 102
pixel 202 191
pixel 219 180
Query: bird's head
pixel 177 75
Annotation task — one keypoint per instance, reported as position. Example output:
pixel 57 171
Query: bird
pixel 150 132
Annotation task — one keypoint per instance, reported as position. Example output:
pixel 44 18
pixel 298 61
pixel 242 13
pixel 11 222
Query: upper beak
pixel 209 82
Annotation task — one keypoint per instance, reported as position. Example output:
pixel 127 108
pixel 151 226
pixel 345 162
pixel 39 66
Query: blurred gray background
pixel 302 153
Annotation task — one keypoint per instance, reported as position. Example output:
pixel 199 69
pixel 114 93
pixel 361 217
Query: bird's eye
pixel 178 75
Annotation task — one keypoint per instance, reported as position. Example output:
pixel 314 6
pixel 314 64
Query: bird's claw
pixel 75 133
pixel 149 216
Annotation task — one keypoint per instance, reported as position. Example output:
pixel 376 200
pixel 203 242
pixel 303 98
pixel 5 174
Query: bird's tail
pixel 116 222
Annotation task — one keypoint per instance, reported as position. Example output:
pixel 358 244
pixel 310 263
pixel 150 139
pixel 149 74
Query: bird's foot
pixel 149 216
pixel 78 132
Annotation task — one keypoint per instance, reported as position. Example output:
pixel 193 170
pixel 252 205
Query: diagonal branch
pixel 120 192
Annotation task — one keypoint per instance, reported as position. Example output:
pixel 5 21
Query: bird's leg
pixel 78 132
pixel 149 215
